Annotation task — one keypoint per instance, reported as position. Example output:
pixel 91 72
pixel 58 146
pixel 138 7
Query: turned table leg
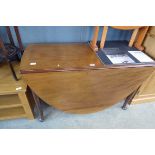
pixel 129 98
pixel 38 106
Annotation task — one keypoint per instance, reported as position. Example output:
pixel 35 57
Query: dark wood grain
pixel 19 38
pixel 49 56
pixel 75 86
pixel 10 35
pixel 86 91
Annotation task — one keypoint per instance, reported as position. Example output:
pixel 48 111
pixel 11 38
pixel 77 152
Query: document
pixel 120 58
pixel 142 57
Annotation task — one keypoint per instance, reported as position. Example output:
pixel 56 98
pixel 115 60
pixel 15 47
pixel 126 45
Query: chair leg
pixel 140 38
pixel 38 106
pixel 129 98
pixel 133 37
pixel 10 35
pixel 5 54
pixel 103 38
pixel 19 39
pixel 94 40
pixel 12 70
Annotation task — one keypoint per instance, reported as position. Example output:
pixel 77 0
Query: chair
pixel 9 52
pixel 136 39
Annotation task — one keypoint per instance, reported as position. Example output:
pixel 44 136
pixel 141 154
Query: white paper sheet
pixel 120 58
pixel 142 57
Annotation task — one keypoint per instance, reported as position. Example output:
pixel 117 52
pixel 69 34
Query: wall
pixel 47 34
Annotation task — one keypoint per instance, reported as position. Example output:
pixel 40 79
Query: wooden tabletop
pixel 59 56
pixel 79 91
pixel 40 58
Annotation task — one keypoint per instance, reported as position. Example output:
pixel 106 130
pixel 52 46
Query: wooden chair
pixel 136 39
pixel 8 51
pixel 5 56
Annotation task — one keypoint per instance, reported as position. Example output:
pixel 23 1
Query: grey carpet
pixel 137 116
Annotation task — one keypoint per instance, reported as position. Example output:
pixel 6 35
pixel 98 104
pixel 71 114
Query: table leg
pixel 38 106
pixel 129 98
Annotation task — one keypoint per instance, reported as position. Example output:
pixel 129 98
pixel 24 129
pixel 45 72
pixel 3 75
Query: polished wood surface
pixel 75 86
pixel 59 56
pixel 86 91
pixel 63 57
